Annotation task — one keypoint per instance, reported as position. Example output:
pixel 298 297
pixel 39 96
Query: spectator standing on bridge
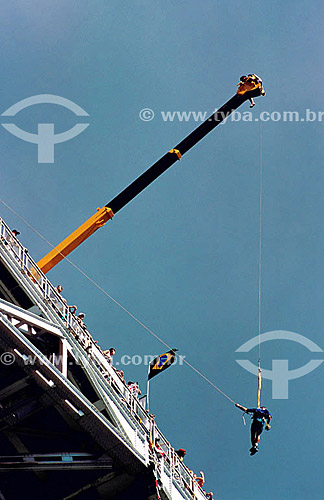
pixel 158 450
pixel 72 309
pixel 201 479
pixel 181 453
pixel 59 290
pixel 80 317
pixel 109 353
pixel 13 242
pixel 134 389
pixel 120 374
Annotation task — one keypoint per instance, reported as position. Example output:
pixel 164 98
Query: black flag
pixel 161 362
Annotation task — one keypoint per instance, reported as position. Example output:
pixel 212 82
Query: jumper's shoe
pixel 252 105
pixel 263 92
pixel 253 451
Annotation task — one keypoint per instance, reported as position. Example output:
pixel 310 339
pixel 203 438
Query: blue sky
pixel 183 256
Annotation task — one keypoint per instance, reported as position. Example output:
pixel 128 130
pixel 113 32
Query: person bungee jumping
pixel 260 416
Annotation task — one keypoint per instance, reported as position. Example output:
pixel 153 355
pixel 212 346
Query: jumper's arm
pixel 241 408
pixel 150 175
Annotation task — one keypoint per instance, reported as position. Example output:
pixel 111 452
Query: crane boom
pixel 150 175
pixel 75 239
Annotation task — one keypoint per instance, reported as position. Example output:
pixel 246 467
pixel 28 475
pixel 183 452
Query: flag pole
pixel 148 388
pixel 147 395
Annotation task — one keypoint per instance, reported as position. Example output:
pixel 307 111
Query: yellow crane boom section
pixel 83 232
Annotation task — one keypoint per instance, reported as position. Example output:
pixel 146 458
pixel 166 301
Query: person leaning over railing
pixel 12 241
pixel 181 453
pixel 87 339
pixel 80 317
pixel 109 353
pixel 120 374
pixel 134 389
pixel 61 303
pixel 59 290
pixel 200 480
pixel 159 452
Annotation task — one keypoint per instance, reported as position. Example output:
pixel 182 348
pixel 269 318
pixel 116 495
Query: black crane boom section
pixel 158 168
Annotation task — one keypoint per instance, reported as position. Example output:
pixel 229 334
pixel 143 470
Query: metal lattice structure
pixel 69 427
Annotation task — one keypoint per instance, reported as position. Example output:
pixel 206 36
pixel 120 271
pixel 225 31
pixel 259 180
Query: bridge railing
pixel 52 297
pixel 179 473
pixel 170 465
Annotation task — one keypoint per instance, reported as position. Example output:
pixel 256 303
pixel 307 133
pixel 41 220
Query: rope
pixel 260 259
pixel 117 303
pixel 259 387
